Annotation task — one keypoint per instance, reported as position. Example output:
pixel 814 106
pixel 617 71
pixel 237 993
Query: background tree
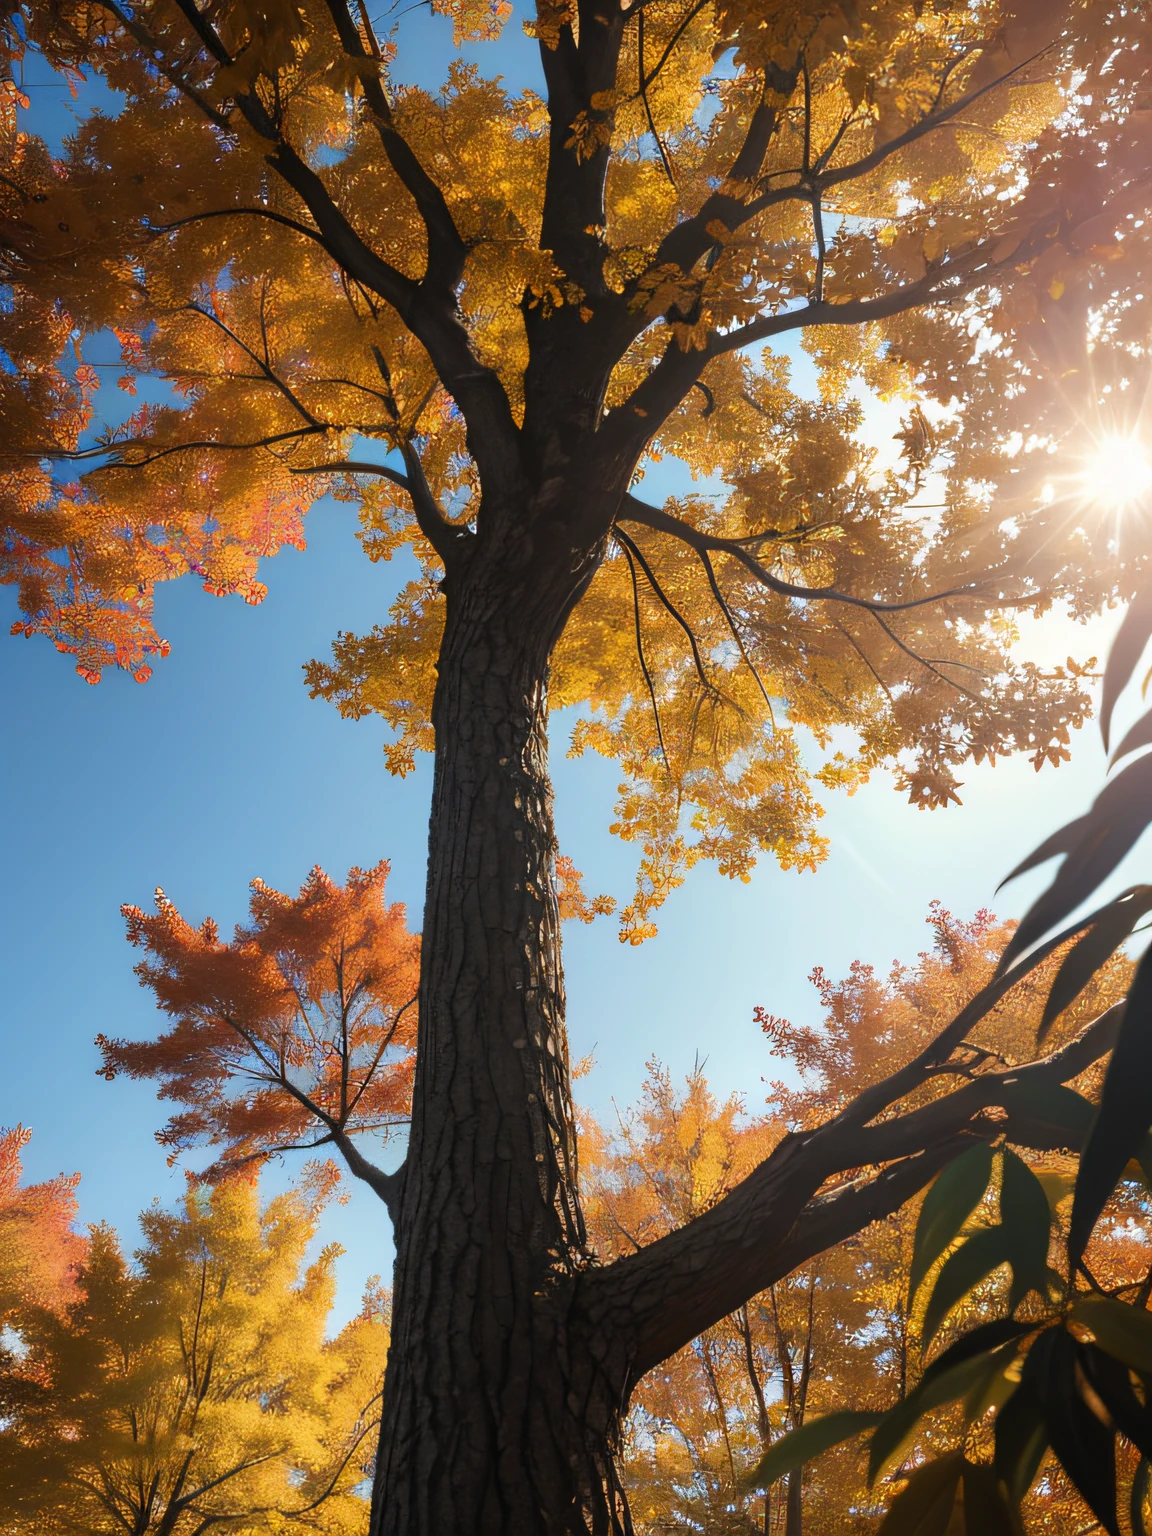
pixel 519 300
pixel 194 1389
pixel 296 1036
pixel 38 1249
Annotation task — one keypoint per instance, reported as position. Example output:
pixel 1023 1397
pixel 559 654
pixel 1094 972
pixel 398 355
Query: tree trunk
pixel 497 1419
pixel 794 1517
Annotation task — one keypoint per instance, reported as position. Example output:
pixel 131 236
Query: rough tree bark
pixel 496 1418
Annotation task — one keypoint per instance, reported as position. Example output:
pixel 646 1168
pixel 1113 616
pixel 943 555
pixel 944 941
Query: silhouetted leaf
pixel 977 1341
pixel 924 1507
pixel 1050 1103
pixel 1123 1331
pixel 1124 1115
pixel 954 1195
pixel 900 1423
pixel 972 1262
pixel 1062 840
pixel 1010 967
pixel 1139 1497
pixel 987 1509
pixel 806 1443
pixel 1025 1220
pixel 1119 815
pixel 1139 736
pixel 1112 925
pixel 1021 1440
pixel 1127 649
pixel 1110 1379
pixel 1086 1447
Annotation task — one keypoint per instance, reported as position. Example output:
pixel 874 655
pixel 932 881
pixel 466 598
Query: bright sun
pixel 1118 473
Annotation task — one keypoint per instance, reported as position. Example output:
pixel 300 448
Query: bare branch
pixel 446 250
pixel 635 511
pixel 354 467
pixel 643 92
pixel 640 653
pixel 262 363
pixel 730 619
pixel 254 211
pixel 667 602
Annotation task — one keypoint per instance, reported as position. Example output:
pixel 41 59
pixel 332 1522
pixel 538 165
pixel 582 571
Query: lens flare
pixel 1118 474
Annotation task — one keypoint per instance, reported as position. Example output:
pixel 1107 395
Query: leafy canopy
pixel 447 305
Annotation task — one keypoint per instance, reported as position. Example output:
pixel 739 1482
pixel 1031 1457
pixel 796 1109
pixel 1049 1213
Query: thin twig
pixel 640 653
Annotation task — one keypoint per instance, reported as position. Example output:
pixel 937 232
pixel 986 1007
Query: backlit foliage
pixel 838 1333
pixel 344 280
pixel 38 1249
pixel 193 1389
pixel 299 1034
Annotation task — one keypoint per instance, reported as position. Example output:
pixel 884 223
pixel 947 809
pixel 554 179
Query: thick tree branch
pixel 446 538
pixel 253 212
pixel 355 467
pixel 446 249
pixel 574 215
pixel 830 1218
pixel 684 245
pixel 775 1219
pixel 388 1186
pixel 631 425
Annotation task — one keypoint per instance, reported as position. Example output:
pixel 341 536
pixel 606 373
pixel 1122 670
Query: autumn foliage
pixel 193 1388
pixel 296 1035
pixel 942 163
pixel 39 1251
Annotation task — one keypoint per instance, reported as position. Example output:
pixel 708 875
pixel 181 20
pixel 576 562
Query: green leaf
pixel 1026 1223
pixel 1125 1112
pixel 988 1510
pixel 924 1507
pixel 972 1262
pixel 953 1196
pixel 899 1424
pixel 806 1443
pixel 1123 1331
pixel 1021 1440
pixel 1111 925
pixel 1111 1380
pixel 1086 1448
pixel 1127 648
pixel 1051 1104
pixel 978 1341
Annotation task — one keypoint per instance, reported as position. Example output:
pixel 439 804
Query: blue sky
pixel 221 768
